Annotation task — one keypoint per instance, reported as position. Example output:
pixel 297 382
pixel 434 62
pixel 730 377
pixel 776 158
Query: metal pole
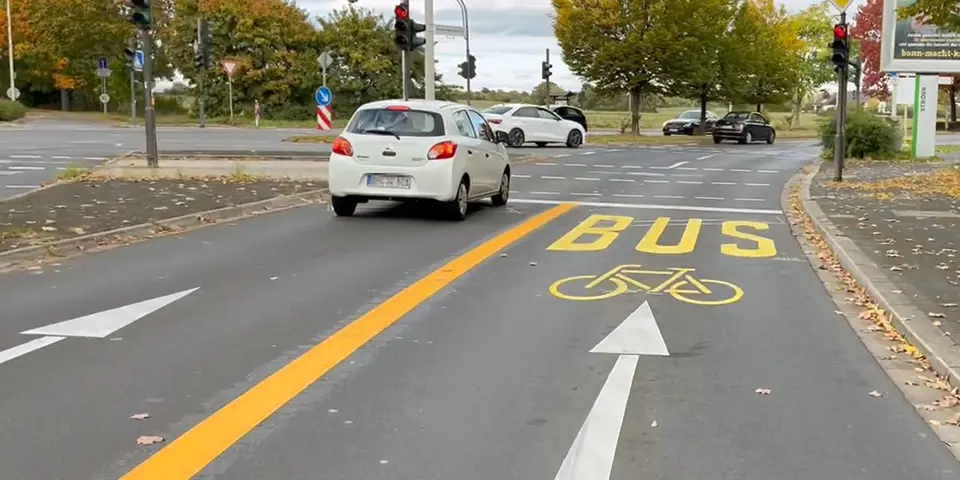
pixel 466 38
pixel 429 74
pixel 546 94
pixel 405 73
pixel 149 113
pixel 133 96
pixel 203 74
pixel 839 146
pixel 13 75
pixel 230 89
pixel 323 73
pixel 103 91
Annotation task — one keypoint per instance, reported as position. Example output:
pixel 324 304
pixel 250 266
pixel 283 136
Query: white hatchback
pixel 404 150
pixel 520 123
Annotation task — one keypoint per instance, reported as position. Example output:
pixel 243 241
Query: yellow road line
pixel 202 444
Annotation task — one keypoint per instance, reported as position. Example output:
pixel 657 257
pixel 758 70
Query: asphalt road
pixel 475 371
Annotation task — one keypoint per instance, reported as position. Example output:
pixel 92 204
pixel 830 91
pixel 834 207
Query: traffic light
pixel 139 13
pixel 840 46
pixel 857 70
pixel 131 51
pixel 198 60
pixel 205 46
pixel 468 69
pixel 406 29
pixel 545 70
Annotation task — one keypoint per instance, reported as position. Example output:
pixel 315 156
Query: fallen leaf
pixel 140 416
pixel 875 393
pixel 148 439
pixel 762 391
pixel 654 424
pixel 936 315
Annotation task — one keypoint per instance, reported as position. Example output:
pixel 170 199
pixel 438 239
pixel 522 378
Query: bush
pixel 867 135
pixel 10 111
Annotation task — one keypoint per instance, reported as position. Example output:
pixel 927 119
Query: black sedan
pixel 568 112
pixel 687 122
pixel 744 127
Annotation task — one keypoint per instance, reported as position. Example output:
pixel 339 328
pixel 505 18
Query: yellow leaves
pixel 944 182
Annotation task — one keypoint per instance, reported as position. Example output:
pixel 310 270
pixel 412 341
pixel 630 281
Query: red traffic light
pixel 401 12
pixel 840 31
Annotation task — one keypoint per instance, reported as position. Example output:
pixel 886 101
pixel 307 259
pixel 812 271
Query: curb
pixel 942 352
pixel 233 154
pixel 65 247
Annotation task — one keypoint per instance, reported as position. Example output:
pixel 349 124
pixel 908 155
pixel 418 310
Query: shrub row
pixel 10 111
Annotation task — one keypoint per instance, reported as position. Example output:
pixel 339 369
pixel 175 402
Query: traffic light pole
pixel 405 69
pixel 839 143
pixel 203 74
pixel 546 94
pixel 149 113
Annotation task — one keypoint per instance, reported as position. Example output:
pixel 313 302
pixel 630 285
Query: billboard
pixel 910 45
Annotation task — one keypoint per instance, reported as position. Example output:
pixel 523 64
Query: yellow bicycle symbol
pixel 680 284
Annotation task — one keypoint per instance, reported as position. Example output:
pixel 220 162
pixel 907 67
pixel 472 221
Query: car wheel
pixel 665 134
pixel 574 139
pixel 343 206
pixel 771 137
pixel 746 138
pixel 500 199
pixel 515 138
pixel 457 208
pixel 717 139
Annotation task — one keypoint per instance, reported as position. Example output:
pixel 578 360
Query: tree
pixel 867 30
pixel 815 29
pixel 771 51
pixel 614 45
pixel 942 13
pixel 704 55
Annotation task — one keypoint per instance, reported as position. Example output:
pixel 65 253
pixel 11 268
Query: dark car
pixel 687 122
pixel 744 127
pixel 567 112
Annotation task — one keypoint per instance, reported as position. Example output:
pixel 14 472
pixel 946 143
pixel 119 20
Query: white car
pixel 521 123
pixel 405 150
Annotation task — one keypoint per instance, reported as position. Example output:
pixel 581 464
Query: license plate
pixel 672 129
pixel 388 181
pixel 726 127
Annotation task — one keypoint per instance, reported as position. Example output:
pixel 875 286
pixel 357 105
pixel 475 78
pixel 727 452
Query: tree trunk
pixel 953 101
pixel 635 110
pixel 797 107
pixel 703 115
pixel 759 105
pixel 64 100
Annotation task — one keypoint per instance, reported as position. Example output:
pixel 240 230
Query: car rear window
pixel 403 123
pixel 497 110
pixel 736 116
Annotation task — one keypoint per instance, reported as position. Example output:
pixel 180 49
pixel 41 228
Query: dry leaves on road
pixel 940 182
pixel 140 416
pixel 762 391
pixel 148 439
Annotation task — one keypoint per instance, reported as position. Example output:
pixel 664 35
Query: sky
pixel 509 38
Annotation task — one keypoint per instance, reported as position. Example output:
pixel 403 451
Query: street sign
pixel 229 65
pixel 138 60
pixel 325 60
pixel 324 118
pixel 104 98
pixel 102 63
pixel 13 93
pixel 449 30
pixel 841 5
pixel 323 97
pixel 104 72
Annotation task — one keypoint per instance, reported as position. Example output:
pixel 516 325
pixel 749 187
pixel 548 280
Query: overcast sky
pixel 508 38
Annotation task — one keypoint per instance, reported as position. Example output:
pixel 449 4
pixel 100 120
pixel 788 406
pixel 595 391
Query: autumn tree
pixel 814 28
pixel 867 26
pixel 945 14
pixel 615 45
pixel 705 53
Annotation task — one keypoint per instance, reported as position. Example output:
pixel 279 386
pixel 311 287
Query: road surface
pixel 393 345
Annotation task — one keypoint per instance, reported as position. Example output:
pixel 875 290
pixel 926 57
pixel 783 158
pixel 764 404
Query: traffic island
pixel 93 210
pixel 882 241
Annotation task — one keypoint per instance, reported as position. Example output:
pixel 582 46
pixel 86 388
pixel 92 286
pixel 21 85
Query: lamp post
pixel 13 75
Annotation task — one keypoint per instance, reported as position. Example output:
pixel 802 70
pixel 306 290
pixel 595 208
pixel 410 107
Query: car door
pixel 496 159
pixel 573 114
pixel 474 152
pixel 758 126
pixel 527 119
pixel 554 128
pixel 765 128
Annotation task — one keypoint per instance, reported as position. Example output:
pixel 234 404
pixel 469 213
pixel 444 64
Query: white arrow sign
pixel 591 455
pixel 96 325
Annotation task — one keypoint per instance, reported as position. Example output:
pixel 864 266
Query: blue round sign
pixel 323 97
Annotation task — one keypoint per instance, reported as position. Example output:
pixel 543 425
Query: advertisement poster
pixel 914 40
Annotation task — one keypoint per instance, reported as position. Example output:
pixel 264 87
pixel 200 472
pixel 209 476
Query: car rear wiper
pixel 383 132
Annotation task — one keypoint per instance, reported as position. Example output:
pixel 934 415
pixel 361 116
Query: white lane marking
pixel 25 156
pixel 688 175
pixel 27 168
pixel 25 187
pixel 708 198
pixel 757 184
pixel 768 171
pixel 520 176
pixel 723 183
pixel 60 157
pixel 627 195
pixel 587 179
pixel 744 170
pixel 551 177
pixel 603 166
pixel 546 164
pixel 656 181
pixel 588 153
pixel 628 180
pixel 633 166
pixel 711 169
pixel 25 348
pixel 646 206
pixel 689 182
pixel 678 164
pixel 94 158
pixel 562 155
pixel 594 194
pixel 749 200
pixel 671 197
pixel 615 150
pixel 8 173
pixel 576 164
pixel 658 167
pixel 545 193
pixel 647 174
pixel 689 169
pixel 707 156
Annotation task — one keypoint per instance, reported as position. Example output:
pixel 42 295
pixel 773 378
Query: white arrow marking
pixel 102 324
pixel 592 453
pixel 25 348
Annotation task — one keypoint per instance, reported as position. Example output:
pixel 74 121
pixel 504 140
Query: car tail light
pixel 398 108
pixel 495 121
pixel 442 151
pixel 342 147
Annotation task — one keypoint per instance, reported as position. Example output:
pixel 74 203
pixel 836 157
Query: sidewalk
pixel 906 219
pixel 288 169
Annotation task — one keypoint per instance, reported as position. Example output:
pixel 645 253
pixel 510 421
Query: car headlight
pixel 688 124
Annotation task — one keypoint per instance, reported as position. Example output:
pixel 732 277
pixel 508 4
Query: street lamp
pixel 12 92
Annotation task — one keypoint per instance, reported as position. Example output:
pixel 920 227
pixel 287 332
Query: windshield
pixel 402 123
pixel 736 116
pixel 498 110
pixel 690 114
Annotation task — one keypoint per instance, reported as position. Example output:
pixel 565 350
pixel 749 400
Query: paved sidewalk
pixel 906 219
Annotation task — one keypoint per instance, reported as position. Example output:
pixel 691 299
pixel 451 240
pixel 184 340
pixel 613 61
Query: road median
pixel 124 202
